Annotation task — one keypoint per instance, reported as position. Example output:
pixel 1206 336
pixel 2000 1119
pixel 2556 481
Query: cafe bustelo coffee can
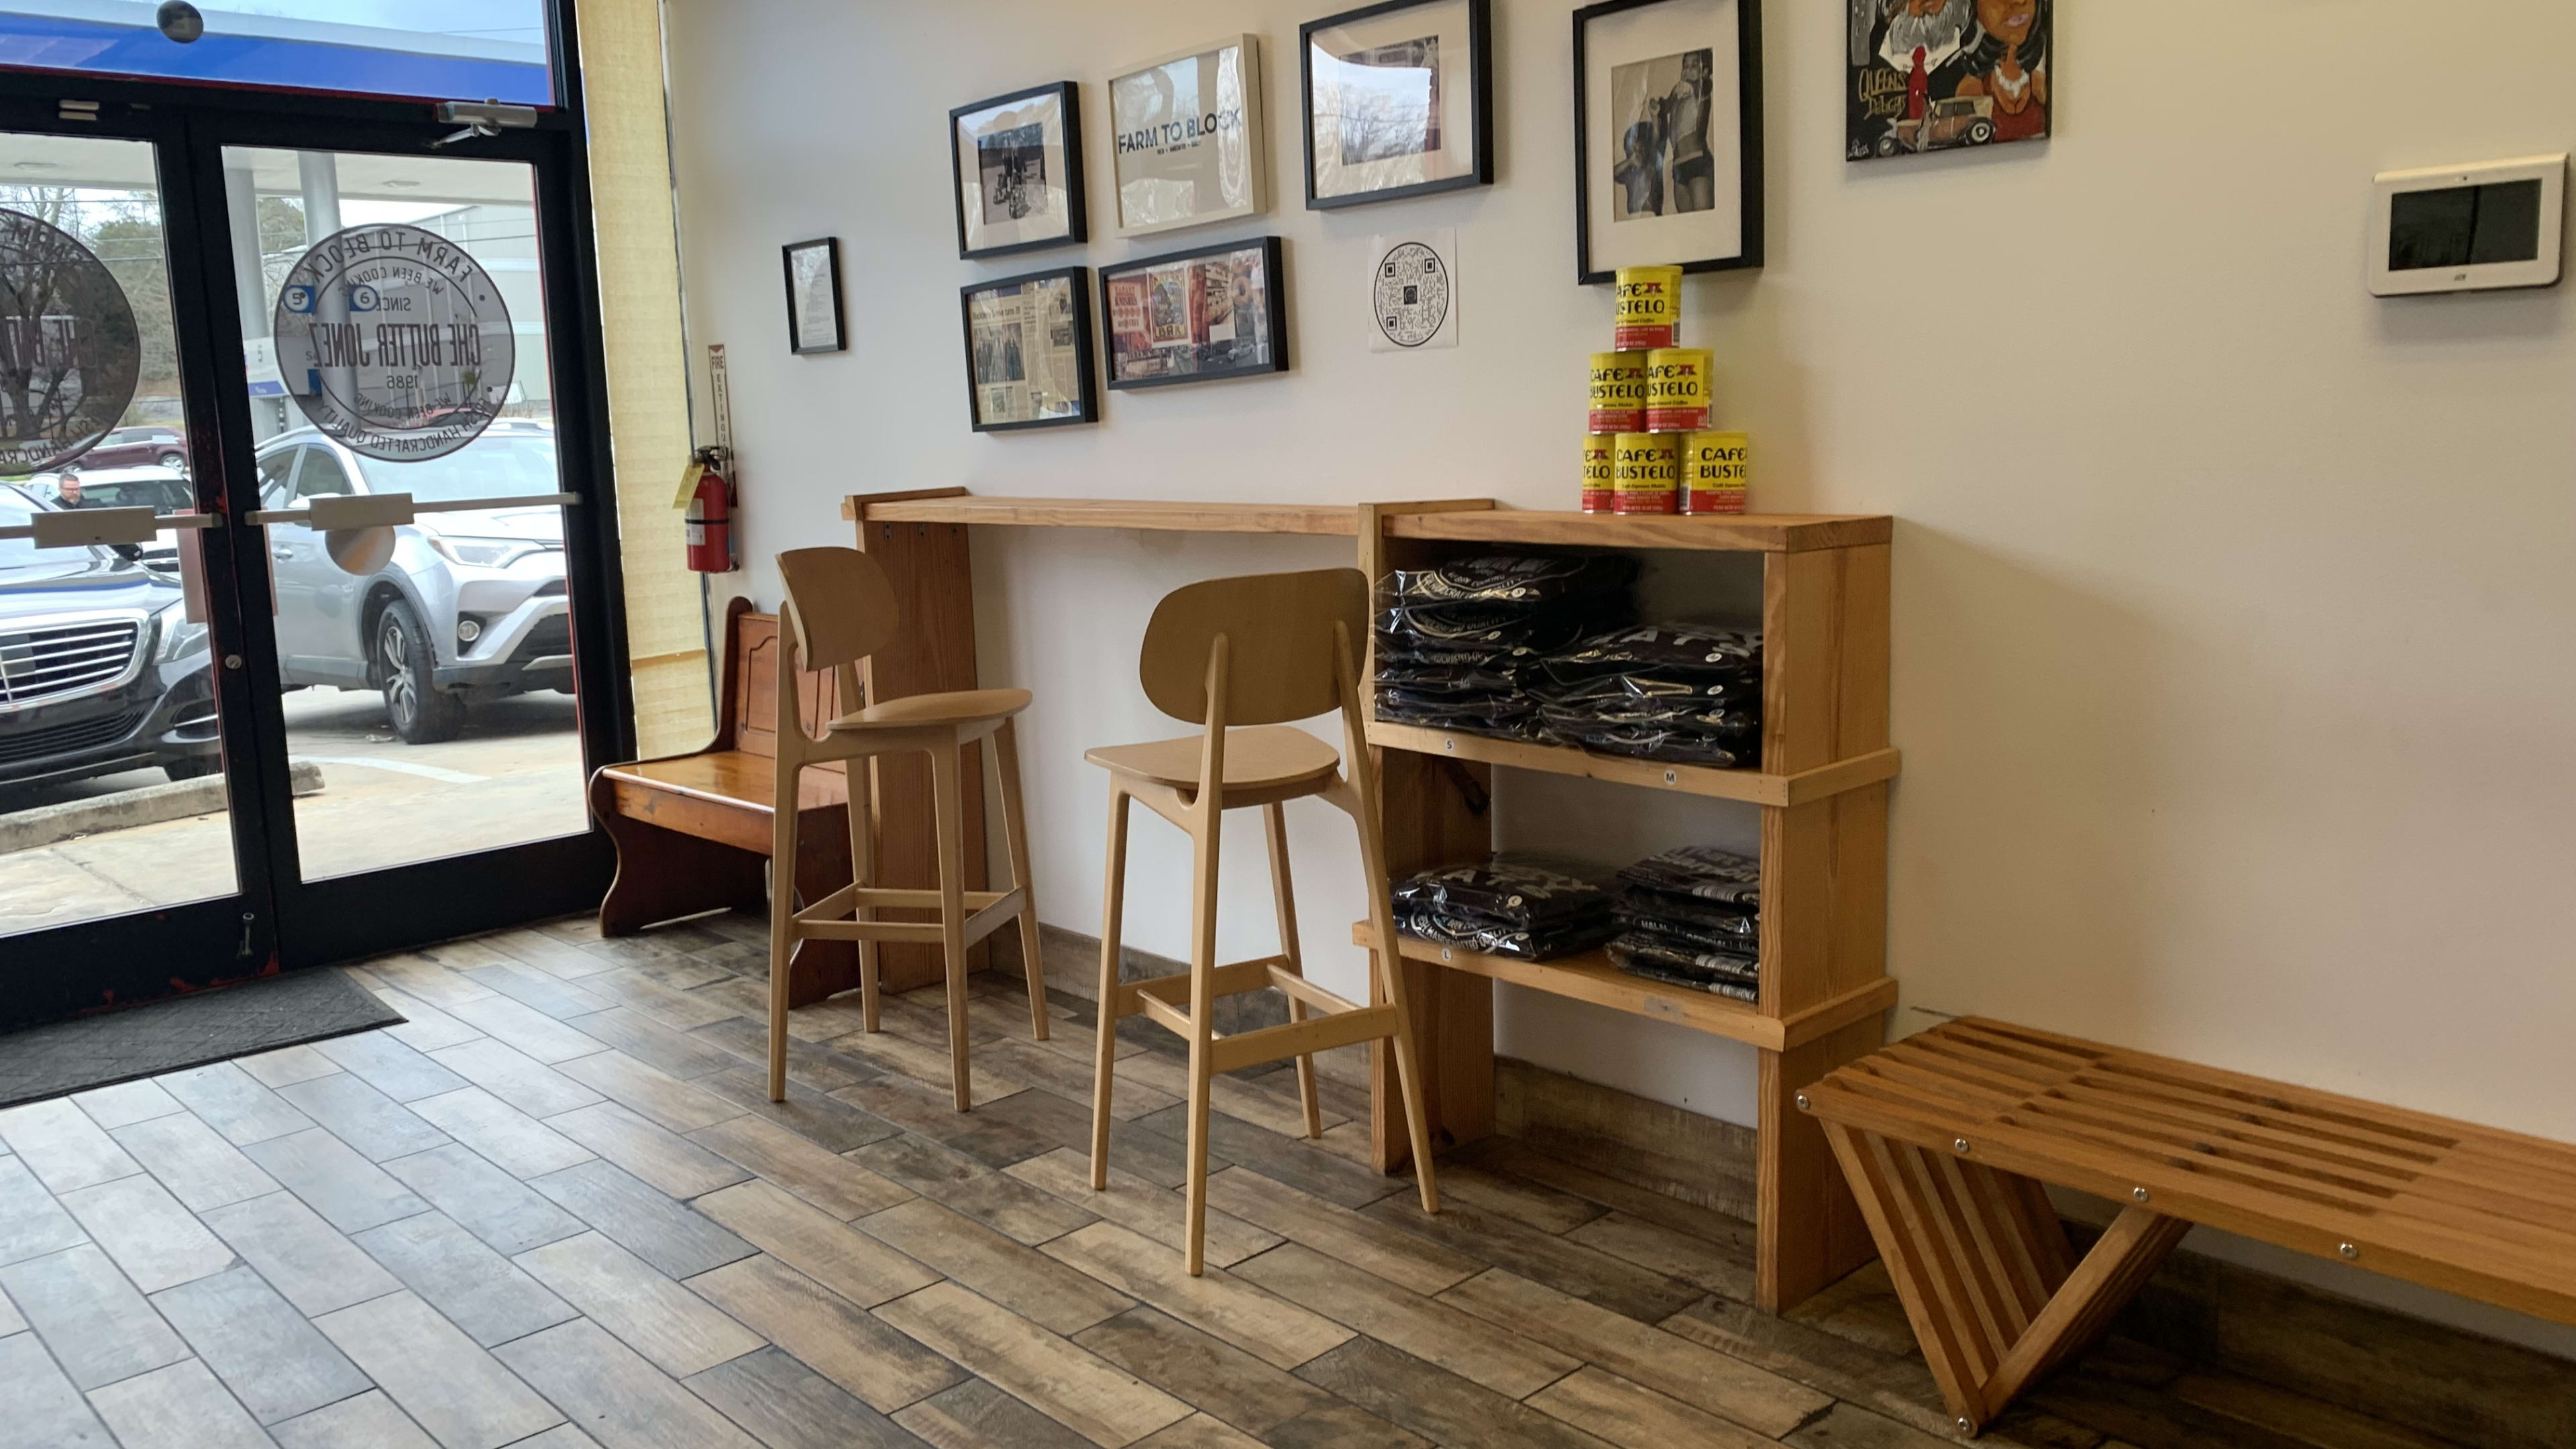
pixel 1677 389
pixel 1650 308
pixel 1716 470
pixel 1642 478
pixel 1600 471
pixel 1618 392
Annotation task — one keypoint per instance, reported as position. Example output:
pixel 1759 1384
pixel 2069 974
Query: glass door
pixel 117 832
pixel 357 561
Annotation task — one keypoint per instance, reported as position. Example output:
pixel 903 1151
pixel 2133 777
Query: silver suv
pixel 472 605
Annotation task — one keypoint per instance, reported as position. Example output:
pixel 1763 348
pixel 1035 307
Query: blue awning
pixel 118 38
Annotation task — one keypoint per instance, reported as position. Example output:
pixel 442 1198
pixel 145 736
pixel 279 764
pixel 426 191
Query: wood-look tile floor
pixel 555 1209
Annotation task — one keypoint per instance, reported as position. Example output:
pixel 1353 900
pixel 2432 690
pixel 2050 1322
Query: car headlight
pixel 482 553
pixel 179 638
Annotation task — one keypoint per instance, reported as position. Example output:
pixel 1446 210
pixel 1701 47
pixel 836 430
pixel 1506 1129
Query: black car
pixel 100 671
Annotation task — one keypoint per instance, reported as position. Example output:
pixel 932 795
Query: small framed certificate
pixel 814 296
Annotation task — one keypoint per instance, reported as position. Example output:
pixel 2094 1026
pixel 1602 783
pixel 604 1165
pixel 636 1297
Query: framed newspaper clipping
pixel 1667 135
pixel 1398 101
pixel 1189 140
pixel 1017 164
pixel 1028 351
pixel 1195 316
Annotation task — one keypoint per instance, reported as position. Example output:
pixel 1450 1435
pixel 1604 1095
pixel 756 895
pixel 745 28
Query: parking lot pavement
pixel 514 775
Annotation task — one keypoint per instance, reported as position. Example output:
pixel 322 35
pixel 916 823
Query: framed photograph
pixel 814 295
pixel 1927 76
pixel 1398 101
pixel 1668 135
pixel 1028 351
pixel 1194 316
pixel 1018 165
pixel 1190 144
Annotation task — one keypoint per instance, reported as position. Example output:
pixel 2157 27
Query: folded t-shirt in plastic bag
pixel 1521 579
pixel 1667 650
pixel 1488 937
pixel 1734 726
pixel 1655 965
pixel 1670 746
pixel 1739 933
pixel 1476 678
pixel 1703 692
pixel 1701 871
pixel 1517 631
pixel 1511 889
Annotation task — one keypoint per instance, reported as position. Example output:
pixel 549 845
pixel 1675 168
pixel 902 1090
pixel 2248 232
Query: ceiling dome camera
pixel 179 20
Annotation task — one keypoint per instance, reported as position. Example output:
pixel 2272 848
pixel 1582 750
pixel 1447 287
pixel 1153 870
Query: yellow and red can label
pixel 1677 399
pixel 1650 308
pixel 1618 392
pixel 1600 471
pixel 1716 472
pixel 1643 479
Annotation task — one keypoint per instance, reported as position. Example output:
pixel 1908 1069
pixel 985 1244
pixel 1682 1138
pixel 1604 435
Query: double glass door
pixel 304 548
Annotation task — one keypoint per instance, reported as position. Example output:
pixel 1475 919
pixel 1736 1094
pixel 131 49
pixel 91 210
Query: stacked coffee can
pixel 1650 446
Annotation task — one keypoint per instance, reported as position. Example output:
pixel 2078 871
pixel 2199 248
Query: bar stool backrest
pixel 1280 644
pixel 839 604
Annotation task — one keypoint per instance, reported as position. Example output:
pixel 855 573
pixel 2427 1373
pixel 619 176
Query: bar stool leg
pixel 782 938
pixel 863 875
pixel 1112 906
pixel 1203 866
pixel 1390 979
pixel 947 797
pixel 1015 836
pixel 1275 823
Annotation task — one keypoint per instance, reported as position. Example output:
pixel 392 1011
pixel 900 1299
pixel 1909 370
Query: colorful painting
pixel 1934 75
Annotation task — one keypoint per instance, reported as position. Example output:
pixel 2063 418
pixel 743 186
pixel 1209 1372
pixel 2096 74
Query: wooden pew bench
pixel 693 831
pixel 1948 1136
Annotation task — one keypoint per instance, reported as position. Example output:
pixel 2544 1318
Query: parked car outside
pixel 471 606
pixel 155 444
pixel 100 671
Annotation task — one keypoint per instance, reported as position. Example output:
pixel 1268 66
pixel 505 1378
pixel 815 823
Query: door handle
pixel 282 553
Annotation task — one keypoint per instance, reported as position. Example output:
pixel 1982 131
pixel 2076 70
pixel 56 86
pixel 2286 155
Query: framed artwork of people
pixel 1667 135
pixel 1936 75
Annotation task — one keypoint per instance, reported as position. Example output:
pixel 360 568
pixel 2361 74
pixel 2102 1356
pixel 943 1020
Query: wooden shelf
pixel 1743 532
pixel 1331 521
pixel 1748 785
pixel 1589 976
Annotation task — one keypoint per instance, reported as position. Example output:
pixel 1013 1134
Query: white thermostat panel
pixel 2468 228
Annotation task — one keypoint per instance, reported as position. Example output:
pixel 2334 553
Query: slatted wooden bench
pixel 1948 1136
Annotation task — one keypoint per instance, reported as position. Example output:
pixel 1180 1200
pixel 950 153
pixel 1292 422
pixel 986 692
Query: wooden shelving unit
pixel 1822 790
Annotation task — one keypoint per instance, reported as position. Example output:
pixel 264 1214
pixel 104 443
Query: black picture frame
pixel 1079 280
pixel 1077 214
pixel 796 340
pixel 1748 16
pixel 1275 313
pixel 1480 74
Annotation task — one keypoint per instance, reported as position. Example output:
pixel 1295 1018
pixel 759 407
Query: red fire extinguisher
pixel 710 516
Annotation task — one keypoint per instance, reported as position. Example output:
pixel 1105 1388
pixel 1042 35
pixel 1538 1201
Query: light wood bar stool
pixel 1241 657
pixel 839 610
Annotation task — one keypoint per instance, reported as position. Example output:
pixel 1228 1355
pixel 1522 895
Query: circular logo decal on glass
pixel 69 352
pixel 1412 295
pixel 394 342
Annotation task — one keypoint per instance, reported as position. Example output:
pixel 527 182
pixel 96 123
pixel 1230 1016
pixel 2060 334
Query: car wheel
pixel 420 713
pixel 1982 132
pixel 195 767
pixel 174 459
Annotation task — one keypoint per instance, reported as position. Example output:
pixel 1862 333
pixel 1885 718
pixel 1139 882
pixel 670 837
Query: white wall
pixel 2232 605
